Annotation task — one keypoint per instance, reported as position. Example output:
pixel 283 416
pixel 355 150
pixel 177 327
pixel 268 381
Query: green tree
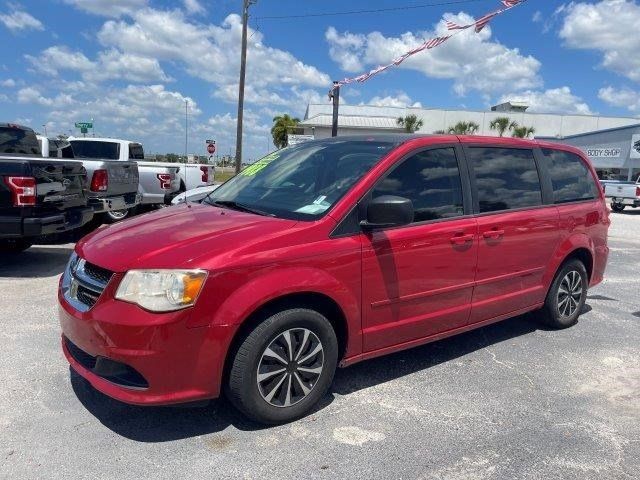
pixel 464 128
pixel 410 123
pixel 502 124
pixel 172 157
pixel 523 132
pixel 282 125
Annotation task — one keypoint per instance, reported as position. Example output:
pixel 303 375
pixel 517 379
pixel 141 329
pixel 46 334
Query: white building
pixel 368 119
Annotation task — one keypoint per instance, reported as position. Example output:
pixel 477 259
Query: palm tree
pixel 523 132
pixel 410 123
pixel 464 128
pixel 502 124
pixel 282 124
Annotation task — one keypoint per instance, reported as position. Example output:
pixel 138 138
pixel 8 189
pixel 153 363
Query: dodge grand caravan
pixel 329 253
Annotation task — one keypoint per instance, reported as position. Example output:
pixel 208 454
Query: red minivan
pixel 329 253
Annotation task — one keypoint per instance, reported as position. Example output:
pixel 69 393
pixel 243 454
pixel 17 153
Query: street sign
pixel 84 130
pixel 211 148
pixel 209 142
pixel 84 125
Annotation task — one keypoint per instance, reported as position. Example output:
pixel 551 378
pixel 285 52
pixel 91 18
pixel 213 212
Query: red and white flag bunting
pixel 478 24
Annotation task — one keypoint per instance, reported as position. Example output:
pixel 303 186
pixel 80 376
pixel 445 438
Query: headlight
pixel 161 290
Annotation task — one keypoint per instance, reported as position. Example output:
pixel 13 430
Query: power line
pixel 377 10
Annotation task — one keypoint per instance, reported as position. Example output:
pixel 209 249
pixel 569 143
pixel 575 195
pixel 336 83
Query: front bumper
pixel 177 364
pixel 18 227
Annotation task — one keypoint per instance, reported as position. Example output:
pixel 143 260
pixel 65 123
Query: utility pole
pixel 186 139
pixel 335 96
pixel 243 70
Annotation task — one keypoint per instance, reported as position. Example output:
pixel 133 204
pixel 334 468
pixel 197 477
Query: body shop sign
pixel 603 152
pixel 635 146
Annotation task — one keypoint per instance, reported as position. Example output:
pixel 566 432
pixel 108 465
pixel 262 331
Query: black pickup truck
pixel 37 196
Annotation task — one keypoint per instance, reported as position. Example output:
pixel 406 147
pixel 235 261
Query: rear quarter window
pixel 506 178
pixel 19 141
pixel 571 178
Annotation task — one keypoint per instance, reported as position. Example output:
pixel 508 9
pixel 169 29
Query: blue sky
pixel 131 64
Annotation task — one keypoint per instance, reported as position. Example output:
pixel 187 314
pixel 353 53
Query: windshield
pixel 301 182
pixel 91 149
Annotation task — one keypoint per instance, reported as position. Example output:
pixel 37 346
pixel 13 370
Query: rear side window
pixel 571 179
pixel 91 149
pixel 431 180
pixel 506 178
pixel 136 152
pixel 19 141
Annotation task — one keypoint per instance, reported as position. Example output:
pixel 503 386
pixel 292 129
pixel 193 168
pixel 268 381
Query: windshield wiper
pixel 241 207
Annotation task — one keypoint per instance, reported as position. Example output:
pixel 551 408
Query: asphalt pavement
pixel 510 401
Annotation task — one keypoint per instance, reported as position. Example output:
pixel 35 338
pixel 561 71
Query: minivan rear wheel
pixel 284 366
pixel 567 295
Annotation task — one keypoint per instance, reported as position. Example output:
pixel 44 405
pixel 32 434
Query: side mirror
pixel 388 211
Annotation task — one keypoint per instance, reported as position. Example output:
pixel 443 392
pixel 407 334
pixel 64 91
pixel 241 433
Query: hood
pixel 183 236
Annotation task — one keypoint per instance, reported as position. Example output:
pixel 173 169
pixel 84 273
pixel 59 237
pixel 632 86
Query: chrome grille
pixel 83 283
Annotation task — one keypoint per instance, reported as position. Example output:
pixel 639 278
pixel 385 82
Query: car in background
pixel 329 253
pixel 195 195
pixel 158 184
pixel 623 194
pixel 38 197
pixel 113 184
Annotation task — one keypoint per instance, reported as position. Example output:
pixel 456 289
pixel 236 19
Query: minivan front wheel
pixel 567 295
pixel 284 366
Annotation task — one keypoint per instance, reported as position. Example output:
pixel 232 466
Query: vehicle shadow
pixel 163 424
pixel 37 262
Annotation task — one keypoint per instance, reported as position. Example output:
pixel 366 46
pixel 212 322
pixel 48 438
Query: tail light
pixel 100 181
pixel 637 191
pixel 23 190
pixel 205 174
pixel 165 181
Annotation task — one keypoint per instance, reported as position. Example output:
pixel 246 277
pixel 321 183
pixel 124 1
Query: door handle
pixel 493 234
pixel 462 239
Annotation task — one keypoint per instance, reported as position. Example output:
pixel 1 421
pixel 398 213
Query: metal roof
pixel 353 121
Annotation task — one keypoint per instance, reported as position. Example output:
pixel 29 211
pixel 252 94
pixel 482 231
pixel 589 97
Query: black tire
pixel 14 246
pixel 250 397
pixel 617 207
pixel 561 310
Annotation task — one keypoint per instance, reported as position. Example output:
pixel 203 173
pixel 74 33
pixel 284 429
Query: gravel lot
pixel 509 401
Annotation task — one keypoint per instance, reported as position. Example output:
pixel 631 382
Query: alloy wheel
pixel 290 367
pixel 569 293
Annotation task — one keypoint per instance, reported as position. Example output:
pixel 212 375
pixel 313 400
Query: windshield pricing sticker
pixel 251 170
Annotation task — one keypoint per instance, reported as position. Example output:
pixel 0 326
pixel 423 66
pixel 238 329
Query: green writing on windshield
pixel 251 170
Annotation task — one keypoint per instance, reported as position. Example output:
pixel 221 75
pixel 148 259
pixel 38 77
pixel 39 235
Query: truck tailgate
pixel 123 177
pixel 59 185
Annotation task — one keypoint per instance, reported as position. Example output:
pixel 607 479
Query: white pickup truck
pixel 622 194
pixel 159 183
pixel 192 175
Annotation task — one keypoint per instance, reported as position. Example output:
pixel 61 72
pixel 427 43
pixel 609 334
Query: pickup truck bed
pixel 40 197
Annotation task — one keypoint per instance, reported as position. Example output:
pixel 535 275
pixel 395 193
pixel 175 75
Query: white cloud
pixel 193 6
pixel 471 60
pixel 211 53
pixel 555 100
pixel 109 8
pixel 610 27
pixel 623 98
pixel 399 100
pixel 18 20
pixel 110 64
pixel 32 95
pixel 8 83
pixel 537 17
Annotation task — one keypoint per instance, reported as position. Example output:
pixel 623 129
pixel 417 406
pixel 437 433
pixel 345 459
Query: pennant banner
pixel 478 24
